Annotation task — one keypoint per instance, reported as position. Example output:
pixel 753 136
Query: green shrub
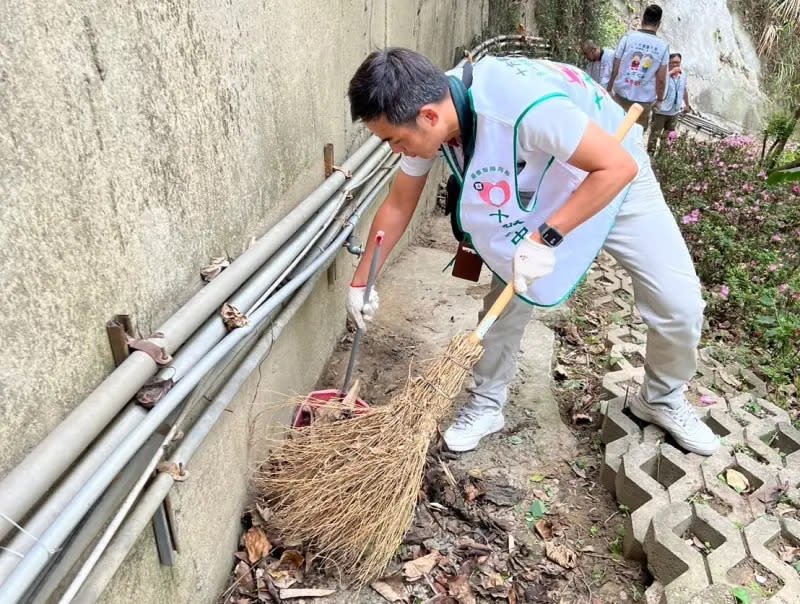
pixel 744 235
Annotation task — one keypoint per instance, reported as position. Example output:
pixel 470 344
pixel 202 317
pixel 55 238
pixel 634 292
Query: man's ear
pixel 429 115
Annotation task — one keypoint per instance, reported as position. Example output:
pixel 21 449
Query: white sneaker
pixel 471 426
pixel 682 423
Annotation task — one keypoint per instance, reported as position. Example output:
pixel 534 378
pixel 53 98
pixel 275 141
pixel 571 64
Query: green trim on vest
pixel 547 97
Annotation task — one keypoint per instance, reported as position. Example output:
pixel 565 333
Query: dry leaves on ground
pixel 561 555
pixel 392 589
pixel 419 567
pixel 256 544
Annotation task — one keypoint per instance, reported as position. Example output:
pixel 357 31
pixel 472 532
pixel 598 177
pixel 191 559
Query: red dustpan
pixel 306 411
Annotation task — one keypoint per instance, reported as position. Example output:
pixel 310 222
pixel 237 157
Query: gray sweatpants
pixel 647 243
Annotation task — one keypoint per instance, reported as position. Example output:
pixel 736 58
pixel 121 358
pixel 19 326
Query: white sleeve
pixel 416 166
pixel 623 41
pixel 555 127
pixel 606 67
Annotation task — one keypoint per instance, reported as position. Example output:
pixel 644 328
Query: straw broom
pixel 349 488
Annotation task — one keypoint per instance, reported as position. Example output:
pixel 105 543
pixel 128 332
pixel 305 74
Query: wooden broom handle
pixel 508 293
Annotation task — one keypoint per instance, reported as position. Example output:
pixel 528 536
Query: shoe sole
pixel 646 416
pixel 469 446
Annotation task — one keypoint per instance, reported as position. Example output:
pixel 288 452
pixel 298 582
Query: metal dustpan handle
pixel 508 293
pixel 373 269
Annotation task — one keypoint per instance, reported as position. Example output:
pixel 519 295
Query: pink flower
pixel 773 268
pixel 673 134
pixel 783 288
pixel 672 189
pixel 692 217
pixel 724 291
pixel 796 189
pixel 706 400
pixel 728 194
pixel 762 175
pixel 776 237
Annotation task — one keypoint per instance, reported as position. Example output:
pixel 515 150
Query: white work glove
pixel 532 261
pixel 356 308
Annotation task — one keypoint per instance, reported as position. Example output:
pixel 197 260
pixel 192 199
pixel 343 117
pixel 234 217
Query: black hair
pixel 672 55
pixel 395 83
pixel 652 15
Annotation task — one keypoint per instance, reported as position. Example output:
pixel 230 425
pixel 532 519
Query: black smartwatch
pixel 550 235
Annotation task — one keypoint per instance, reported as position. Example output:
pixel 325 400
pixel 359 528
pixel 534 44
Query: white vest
pixel 673 97
pixel 490 211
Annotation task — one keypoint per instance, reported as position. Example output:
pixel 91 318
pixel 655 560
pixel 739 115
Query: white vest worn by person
pixel 601 70
pixel 673 97
pixel 505 91
pixel 640 55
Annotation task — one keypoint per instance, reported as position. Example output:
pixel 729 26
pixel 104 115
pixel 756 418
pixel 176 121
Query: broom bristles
pixel 349 488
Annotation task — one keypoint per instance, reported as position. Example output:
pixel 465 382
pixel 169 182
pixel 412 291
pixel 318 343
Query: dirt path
pixel 521 519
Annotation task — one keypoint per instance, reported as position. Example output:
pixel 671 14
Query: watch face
pixel 551 237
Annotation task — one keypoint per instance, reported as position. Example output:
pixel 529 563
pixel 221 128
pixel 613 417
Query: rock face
pixel 718 54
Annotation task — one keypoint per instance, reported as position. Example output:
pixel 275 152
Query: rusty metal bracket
pixel 158 354
pixel 327 154
pixel 119 330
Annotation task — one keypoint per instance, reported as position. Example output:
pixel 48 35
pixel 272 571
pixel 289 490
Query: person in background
pixel 639 74
pixel 600 62
pixel 676 101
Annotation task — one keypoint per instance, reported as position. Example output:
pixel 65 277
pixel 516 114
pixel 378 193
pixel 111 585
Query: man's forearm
pixel 613 78
pixel 393 222
pixel 661 85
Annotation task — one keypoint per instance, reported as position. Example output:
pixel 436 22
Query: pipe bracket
pixel 156 352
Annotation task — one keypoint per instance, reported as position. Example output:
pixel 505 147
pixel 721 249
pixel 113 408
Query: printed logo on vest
pixel 495 192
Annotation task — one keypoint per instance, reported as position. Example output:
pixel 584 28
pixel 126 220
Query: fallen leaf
pixel 737 480
pixel 460 589
pixel 291 560
pixel 471 493
pixel 788 553
pixel 512 596
pixel 391 589
pixel 244 577
pixel 706 400
pixel 232 317
pixel 256 544
pixel 537 478
pixel 560 554
pixel 581 472
pixel 214 268
pixel 545 529
pixel 288 594
pixel 476 473
pixel 419 567
pixel 282 579
pixel 511 544
pixel 538 509
pixel 539 494
pixel 742 595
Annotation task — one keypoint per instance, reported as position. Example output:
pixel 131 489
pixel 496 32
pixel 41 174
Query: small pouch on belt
pixel 467 264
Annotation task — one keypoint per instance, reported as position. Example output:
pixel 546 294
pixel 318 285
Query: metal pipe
pixel 66 490
pixel 34 475
pixel 152 498
pixel 94 522
pixel 54 536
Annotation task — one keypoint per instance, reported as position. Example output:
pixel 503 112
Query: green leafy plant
pixel 743 236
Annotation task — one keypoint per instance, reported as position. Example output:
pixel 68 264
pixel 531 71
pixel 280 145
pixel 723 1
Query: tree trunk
pixel 776 149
